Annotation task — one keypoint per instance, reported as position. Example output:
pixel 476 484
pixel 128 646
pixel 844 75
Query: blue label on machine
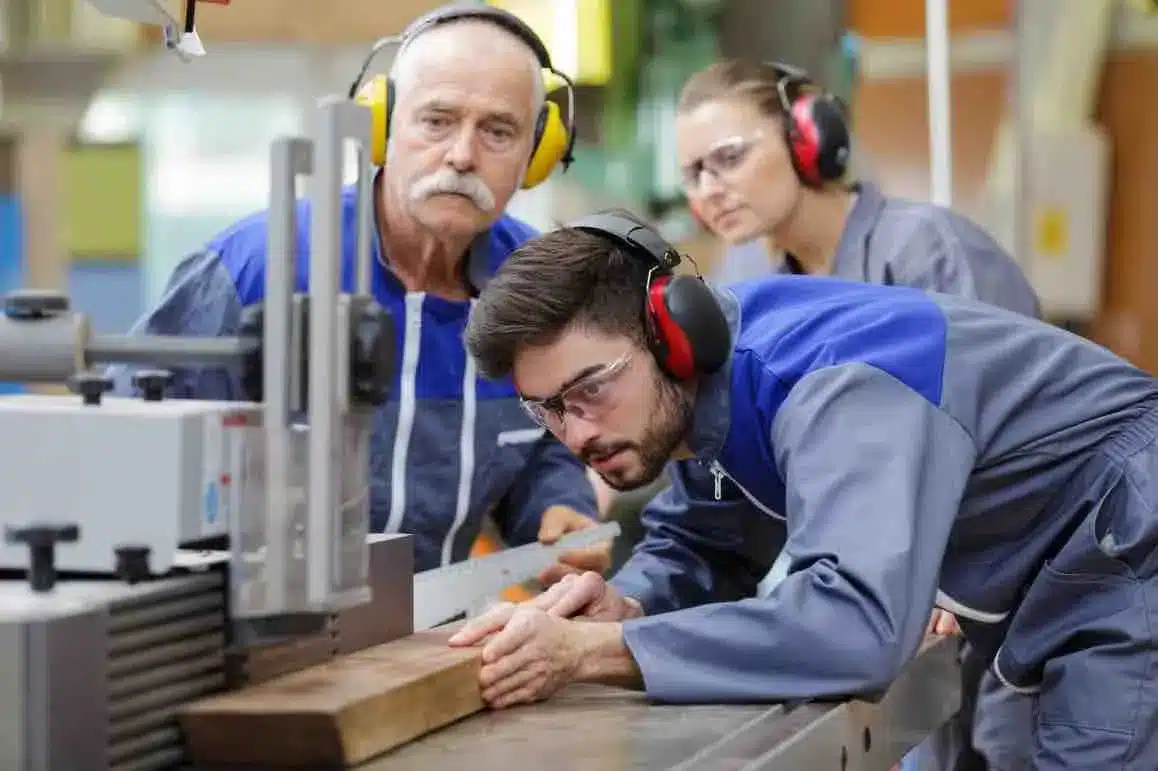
pixel 11 258
pixel 212 503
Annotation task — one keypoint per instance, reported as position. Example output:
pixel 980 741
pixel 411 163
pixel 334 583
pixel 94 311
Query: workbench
pixel 595 728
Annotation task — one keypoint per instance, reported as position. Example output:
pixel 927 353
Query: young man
pixel 925 449
pixel 446 449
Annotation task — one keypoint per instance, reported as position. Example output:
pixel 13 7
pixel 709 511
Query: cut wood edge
pixel 341 712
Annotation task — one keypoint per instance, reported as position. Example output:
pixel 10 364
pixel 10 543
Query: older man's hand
pixel 942 622
pixel 557 522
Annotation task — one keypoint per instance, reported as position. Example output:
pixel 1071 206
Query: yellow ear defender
pixel 554 139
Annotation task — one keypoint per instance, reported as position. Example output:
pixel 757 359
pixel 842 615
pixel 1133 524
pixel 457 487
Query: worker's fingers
pixel 580 593
pixel 596 558
pixel 524 678
pixel 506 666
pixel 946 624
pixel 551 529
pixel 547 599
pixel 520 629
pixel 528 694
pixel 480 627
pixel 553 574
pixel 557 521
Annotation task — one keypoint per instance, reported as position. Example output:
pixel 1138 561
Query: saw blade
pixel 445 593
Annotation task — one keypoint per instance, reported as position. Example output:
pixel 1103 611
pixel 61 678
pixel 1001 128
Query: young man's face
pixel 606 399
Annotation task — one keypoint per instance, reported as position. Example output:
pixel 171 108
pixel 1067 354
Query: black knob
pixel 153 383
pixel 28 304
pixel 91 386
pixel 132 563
pixel 41 540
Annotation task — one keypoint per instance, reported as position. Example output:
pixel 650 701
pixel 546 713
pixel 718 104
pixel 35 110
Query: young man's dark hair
pixel 562 278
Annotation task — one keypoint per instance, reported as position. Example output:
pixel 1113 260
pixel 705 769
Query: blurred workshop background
pixel 116 157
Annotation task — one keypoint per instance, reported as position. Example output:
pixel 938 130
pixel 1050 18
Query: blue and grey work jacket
pixel 449 447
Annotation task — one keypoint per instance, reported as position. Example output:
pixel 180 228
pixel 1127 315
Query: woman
pixel 763 155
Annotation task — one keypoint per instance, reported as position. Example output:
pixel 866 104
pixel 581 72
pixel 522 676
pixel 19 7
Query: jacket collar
pixel 851 250
pixel 711 414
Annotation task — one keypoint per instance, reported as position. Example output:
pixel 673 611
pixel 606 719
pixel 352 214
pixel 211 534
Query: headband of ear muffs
pixel 554 137
pixel 687 331
pixel 815 127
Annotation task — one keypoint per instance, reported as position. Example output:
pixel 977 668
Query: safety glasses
pixel 724 157
pixel 588 398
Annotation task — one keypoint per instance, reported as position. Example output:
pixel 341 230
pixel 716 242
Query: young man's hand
pixel 528 654
pixel 528 657
pixel 588 596
pixel 557 522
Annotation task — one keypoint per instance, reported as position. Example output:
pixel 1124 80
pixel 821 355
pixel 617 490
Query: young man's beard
pixel 670 422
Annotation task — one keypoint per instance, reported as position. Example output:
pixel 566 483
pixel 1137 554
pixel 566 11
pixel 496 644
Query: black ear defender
pixel 687 330
pixel 815 126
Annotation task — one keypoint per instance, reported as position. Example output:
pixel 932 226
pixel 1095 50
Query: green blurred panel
pixel 101 199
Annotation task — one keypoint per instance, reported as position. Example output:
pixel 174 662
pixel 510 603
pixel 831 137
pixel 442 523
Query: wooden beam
pixel 342 712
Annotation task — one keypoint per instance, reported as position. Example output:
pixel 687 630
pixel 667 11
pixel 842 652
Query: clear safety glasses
pixel 589 398
pixel 724 157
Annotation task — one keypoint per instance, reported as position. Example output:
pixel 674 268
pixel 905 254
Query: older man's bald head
pixel 473 47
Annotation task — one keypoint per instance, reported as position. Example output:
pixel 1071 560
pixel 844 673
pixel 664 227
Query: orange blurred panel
pixel 485 545
pixel 1128 323
pixel 893 129
pixel 906 18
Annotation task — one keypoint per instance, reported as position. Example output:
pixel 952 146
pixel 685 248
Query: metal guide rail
pixel 593 728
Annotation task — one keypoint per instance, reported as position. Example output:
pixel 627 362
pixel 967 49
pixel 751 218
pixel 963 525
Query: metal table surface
pixel 593 728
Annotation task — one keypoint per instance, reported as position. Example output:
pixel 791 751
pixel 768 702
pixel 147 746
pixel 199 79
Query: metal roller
pixel 43 341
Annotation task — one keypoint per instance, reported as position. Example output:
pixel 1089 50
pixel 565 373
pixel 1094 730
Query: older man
pixel 448 448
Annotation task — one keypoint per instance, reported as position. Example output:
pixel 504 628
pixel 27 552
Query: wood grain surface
pixel 342 712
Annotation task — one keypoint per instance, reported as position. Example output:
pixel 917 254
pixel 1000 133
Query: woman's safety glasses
pixel 726 156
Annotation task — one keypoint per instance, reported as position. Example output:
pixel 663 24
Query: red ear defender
pixel 671 344
pixel 805 139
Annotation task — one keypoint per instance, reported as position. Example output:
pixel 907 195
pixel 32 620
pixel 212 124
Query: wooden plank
pixel 342 712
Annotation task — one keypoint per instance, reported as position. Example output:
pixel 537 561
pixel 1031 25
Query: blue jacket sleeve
pixel 697 548
pixel 553 476
pixel 200 300
pixel 875 477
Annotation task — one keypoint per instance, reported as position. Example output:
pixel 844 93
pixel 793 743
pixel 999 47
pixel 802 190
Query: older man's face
pixel 462 131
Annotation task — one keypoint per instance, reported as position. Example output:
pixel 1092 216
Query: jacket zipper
pixel 719 474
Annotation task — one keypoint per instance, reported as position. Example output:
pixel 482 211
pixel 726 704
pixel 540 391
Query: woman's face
pixel 736 169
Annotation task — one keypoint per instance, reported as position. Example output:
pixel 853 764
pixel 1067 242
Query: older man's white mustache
pixel 444 181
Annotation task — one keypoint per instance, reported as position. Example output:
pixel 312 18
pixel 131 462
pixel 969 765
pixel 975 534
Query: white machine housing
pixel 160 474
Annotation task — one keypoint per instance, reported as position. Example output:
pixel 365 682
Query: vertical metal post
pixel 940 101
pixel 364 251
pixel 291 156
pixel 1021 92
pixel 337 121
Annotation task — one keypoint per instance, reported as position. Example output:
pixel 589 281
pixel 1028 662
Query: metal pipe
pixel 940 101
pixel 168 350
pixel 1021 94
pixel 365 233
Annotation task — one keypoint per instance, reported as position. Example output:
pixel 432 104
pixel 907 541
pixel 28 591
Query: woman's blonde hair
pixel 754 82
